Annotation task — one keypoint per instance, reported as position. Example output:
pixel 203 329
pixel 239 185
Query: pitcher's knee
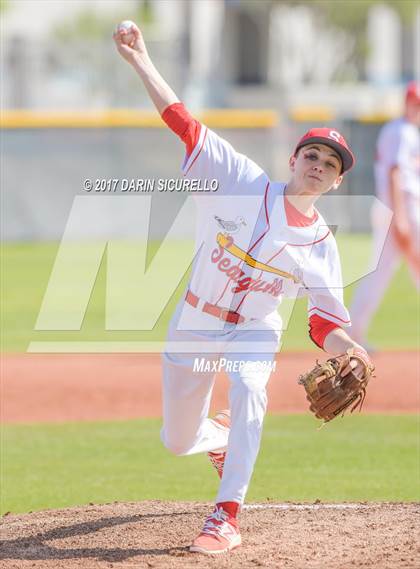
pixel 178 450
pixel 175 446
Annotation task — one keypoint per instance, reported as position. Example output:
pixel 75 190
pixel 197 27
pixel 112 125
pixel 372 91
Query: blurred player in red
pixel 397 181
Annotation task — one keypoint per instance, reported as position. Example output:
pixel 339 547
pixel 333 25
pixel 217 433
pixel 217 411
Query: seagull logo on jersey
pixel 230 226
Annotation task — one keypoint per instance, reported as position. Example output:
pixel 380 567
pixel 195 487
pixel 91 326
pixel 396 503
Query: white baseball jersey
pixel 398 145
pixel 248 258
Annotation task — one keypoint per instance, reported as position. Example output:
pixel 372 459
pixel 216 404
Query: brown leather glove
pixel 333 386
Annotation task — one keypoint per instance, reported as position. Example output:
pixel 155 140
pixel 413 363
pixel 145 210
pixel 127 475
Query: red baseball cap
pixel 329 137
pixel 412 92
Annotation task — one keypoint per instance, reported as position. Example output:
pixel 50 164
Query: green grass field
pixel 362 458
pixel 49 466
pixel 26 270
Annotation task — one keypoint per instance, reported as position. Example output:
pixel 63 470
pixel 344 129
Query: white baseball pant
pixel 187 394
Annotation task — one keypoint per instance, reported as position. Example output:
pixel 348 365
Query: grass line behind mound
pixel 363 457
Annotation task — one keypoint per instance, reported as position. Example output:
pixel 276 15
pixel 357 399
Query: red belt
pixel 222 313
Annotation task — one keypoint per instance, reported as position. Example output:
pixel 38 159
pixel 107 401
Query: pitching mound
pixel 157 534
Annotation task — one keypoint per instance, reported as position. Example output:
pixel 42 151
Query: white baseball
pixel 127 25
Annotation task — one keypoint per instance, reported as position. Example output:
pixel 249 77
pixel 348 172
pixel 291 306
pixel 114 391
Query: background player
pixel 397 182
pixel 251 253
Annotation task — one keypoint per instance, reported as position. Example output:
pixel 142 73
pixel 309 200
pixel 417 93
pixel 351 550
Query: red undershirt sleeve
pixel 182 124
pixel 319 328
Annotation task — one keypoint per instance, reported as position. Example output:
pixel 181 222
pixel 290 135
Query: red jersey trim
pixel 198 154
pixel 329 314
pixel 267 219
pixel 280 250
pixel 311 243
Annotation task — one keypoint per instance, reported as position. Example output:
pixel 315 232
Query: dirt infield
pixel 157 534
pixel 77 387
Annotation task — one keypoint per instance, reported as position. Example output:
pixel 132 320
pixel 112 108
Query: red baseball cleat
pixel 219 534
pixel 218 458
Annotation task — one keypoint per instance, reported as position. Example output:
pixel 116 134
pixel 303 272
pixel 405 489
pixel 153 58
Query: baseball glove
pixel 333 386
